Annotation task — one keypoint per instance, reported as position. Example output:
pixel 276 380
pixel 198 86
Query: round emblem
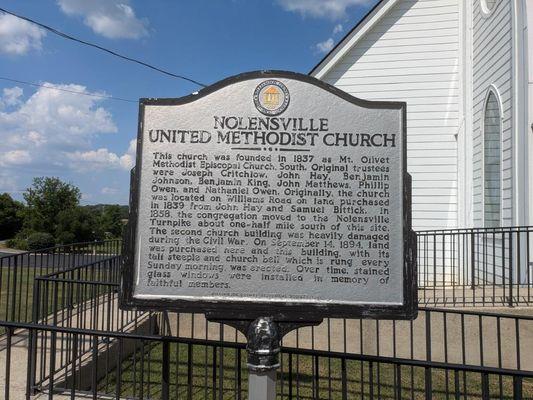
pixel 271 97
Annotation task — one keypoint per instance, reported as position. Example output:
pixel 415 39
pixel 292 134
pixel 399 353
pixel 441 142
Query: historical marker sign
pixel 271 193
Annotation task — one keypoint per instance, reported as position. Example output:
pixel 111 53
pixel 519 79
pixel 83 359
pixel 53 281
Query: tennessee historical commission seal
pixel 271 97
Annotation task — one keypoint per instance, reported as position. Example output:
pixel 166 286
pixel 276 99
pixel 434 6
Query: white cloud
pixel 17 36
pixel 85 197
pixel 328 44
pixel 65 120
pixel 338 29
pixel 333 9
pixel 127 161
pixel 114 19
pixel 93 159
pixel 11 96
pixel 15 157
pixel 52 132
pixel 109 191
pixel 102 159
pixel 39 131
pixel 325 46
pixel 36 138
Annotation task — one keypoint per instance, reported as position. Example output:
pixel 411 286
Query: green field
pixel 363 379
pixel 18 289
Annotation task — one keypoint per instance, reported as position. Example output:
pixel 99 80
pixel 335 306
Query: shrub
pixel 65 238
pixel 17 243
pixel 40 240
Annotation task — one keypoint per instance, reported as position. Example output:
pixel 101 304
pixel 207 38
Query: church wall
pixel 493 65
pixel 412 55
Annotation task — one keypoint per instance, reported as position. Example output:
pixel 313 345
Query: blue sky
pixel 87 140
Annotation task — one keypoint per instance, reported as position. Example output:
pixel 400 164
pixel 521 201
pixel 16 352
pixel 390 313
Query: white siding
pixel 412 55
pixel 492 65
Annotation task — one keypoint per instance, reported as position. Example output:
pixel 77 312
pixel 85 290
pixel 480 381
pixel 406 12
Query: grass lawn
pixel 18 289
pixel 211 379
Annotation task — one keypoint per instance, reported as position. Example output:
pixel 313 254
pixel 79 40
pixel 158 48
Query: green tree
pixel 76 225
pixel 45 200
pixel 110 221
pixel 11 217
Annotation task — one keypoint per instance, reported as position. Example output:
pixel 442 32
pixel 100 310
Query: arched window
pixel 488 6
pixel 492 133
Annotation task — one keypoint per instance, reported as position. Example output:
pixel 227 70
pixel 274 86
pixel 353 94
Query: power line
pixel 69 37
pixel 67 90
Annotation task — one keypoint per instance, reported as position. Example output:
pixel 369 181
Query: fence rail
pixel 19 271
pixel 459 267
pixel 476 267
pixel 169 367
pixel 61 307
pixel 83 297
pixel 443 353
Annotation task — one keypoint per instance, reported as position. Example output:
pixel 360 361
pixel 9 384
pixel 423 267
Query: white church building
pixel 465 69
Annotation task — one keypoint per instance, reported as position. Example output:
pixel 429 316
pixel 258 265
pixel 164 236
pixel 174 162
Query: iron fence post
pixel 485 389
pixel 165 375
pixel 472 259
pixel 344 379
pixel 94 369
pixel 14 291
pixel 398 371
pixel 510 269
pixel 8 363
pixel 428 379
pixel 32 345
pixel 517 388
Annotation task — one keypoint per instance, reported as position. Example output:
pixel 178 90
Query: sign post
pixel 269 201
pixel 263 358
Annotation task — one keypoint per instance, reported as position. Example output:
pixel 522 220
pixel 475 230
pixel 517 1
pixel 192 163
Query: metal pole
pixel 263 358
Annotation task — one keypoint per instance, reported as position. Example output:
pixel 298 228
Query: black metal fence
pixel 154 366
pixel 475 267
pixel 80 347
pixel 84 298
pixel 60 309
pixel 18 272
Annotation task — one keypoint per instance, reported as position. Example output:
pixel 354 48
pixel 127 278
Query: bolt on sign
pixel 271 193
